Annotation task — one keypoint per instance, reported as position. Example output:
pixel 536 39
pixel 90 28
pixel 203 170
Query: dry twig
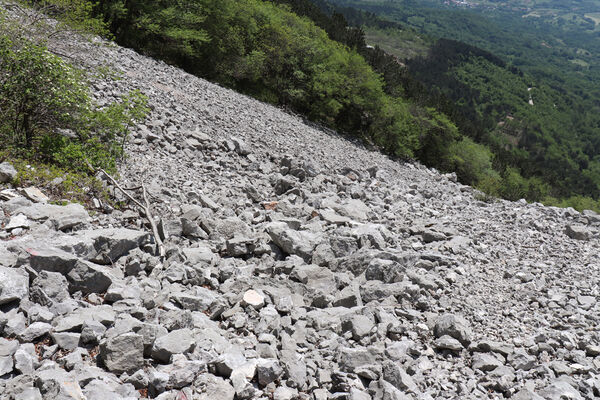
pixel 144 207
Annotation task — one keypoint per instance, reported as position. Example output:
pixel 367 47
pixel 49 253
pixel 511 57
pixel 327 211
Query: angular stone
pixel 26 359
pixel 18 221
pixel 395 375
pixel 58 384
pixel 66 340
pixel 124 353
pixel 34 331
pixel 228 362
pixel 526 394
pixel 253 299
pixel 180 341
pixel 300 243
pixel 351 359
pixel 268 371
pixel 359 325
pixel 213 388
pixel 454 326
pixel 61 217
pixel 14 285
pixel 578 232
pixel 112 243
pixel 519 359
pixel 485 362
pixel 560 390
pixel 447 342
pixel 6 365
pixel 34 194
pixel 7 172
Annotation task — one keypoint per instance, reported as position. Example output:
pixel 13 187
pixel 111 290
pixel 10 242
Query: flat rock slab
pixel 112 243
pixel 62 217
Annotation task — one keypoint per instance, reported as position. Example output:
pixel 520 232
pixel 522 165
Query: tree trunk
pixel 28 132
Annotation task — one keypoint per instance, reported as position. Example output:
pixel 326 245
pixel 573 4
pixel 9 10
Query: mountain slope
pixel 299 265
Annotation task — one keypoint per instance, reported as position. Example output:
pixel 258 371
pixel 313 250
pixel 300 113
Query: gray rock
pixel 14 285
pixel 526 394
pixel 49 287
pixel 6 364
pixel 26 359
pixel 454 326
pixel 60 217
pixel 7 172
pixel 485 362
pixel 359 325
pixel 387 271
pixel 268 371
pixel 34 331
pixel 92 332
pixel 300 243
pixel 560 390
pixel 66 340
pixel 112 243
pixel 350 359
pixel 124 353
pixel 447 342
pixel 578 232
pixel 82 275
pixel 395 375
pixel 213 387
pixel 519 359
pixel 29 393
pixel 228 362
pixel 58 384
pixel 157 382
pixel 180 341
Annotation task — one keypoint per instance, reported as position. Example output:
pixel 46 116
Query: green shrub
pixel 46 112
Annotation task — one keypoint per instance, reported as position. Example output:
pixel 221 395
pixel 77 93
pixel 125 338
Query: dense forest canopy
pixel 536 103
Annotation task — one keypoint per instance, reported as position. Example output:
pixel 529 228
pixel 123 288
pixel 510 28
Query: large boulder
pixel 7 172
pixel 61 217
pixel 14 285
pixel 82 275
pixel 300 243
pixel 454 326
pixel 112 243
pixel 123 353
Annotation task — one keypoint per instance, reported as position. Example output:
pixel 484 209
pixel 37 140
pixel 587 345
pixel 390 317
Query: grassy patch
pixel 59 184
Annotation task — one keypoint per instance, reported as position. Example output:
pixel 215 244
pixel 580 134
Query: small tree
pixel 46 111
pixel 39 92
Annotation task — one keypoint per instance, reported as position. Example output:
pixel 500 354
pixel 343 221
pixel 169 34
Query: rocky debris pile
pixel 299 265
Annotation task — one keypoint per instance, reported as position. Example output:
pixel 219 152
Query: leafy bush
pixel 46 112
pixel 472 163
pixel 38 91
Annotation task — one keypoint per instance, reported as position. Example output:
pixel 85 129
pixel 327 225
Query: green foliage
pixel 56 181
pixel 579 203
pixel 46 112
pixel 485 89
pixel 38 91
pixel 472 163
pixel 265 50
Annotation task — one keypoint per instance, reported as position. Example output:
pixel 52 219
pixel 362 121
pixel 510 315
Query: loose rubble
pixel 300 265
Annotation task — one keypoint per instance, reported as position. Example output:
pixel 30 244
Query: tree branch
pixel 145 208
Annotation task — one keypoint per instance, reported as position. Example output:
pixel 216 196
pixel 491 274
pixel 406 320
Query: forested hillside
pixel 533 98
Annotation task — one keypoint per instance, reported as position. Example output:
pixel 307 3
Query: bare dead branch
pixel 145 207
